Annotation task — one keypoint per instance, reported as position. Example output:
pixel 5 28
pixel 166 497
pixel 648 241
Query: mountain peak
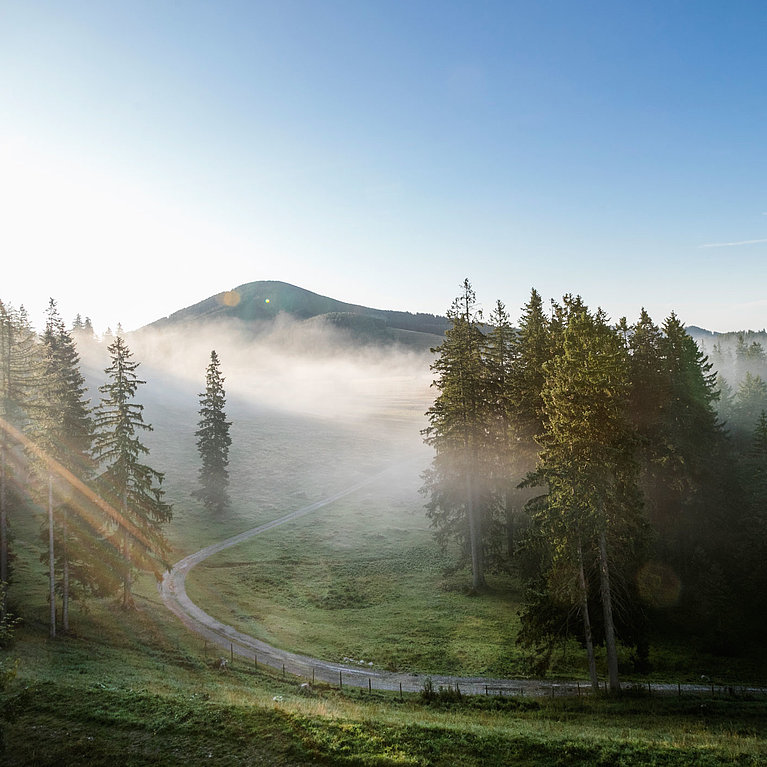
pixel 261 302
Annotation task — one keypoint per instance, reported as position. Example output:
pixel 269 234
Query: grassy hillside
pixel 137 688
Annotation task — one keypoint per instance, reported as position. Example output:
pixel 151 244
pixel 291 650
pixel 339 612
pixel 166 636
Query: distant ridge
pixel 261 302
pixel 701 334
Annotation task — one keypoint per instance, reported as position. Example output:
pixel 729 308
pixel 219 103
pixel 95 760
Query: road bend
pixel 230 640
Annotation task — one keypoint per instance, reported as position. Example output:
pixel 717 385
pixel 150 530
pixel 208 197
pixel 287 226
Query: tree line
pixel 589 458
pixel 86 466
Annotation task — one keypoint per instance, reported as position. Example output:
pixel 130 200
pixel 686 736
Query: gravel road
pixel 173 592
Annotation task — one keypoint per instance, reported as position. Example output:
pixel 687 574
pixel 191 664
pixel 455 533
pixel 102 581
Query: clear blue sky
pixel 154 153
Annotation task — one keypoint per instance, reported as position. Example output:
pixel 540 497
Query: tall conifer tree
pixel 458 433
pixel 506 464
pixel 587 463
pixel 64 431
pixel 20 379
pixel 213 441
pixel 131 486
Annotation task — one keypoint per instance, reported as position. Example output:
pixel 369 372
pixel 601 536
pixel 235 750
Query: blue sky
pixel 154 153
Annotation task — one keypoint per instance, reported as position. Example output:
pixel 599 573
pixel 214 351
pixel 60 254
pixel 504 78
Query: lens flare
pixel 88 496
pixel 658 585
pixel 229 298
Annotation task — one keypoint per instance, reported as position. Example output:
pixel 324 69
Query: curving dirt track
pixel 173 592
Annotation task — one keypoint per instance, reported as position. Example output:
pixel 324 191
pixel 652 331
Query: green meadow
pixel 361 578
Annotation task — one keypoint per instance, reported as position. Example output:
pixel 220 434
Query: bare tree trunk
pixel 127 597
pixel 477 577
pixel 3 532
pixel 607 609
pixel 65 575
pixel 587 621
pixel 475 534
pixel 51 561
pixel 510 528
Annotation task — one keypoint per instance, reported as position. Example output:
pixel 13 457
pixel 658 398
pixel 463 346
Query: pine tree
pixel 754 547
pixel 65 433
pixel 750 401
pixel 532 349
pixel 20 376
pixel 457 490
pixel 587 462
pixel 726 405
pixel 505 460
pixel 213 441
pixel 131 486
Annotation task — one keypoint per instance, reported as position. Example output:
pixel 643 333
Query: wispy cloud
pixel 732 244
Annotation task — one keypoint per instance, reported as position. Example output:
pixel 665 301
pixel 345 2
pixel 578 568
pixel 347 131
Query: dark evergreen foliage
pixel 132 487
pixel 20 377
pixel 457 482
pixel 650 518
pixel 64 431
pixel 213 441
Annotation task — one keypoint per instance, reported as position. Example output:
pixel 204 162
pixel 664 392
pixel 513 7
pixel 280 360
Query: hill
pixel 258 304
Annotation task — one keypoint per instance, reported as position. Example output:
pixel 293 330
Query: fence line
pixel 347 676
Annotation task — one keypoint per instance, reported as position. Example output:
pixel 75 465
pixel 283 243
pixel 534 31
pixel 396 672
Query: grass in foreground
pixel 136 689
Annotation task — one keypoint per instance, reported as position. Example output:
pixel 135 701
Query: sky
pixel 154 153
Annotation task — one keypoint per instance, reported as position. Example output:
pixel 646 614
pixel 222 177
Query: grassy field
pixel 137 689
pixel 362 579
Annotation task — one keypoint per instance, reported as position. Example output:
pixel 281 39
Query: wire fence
pixel 312 671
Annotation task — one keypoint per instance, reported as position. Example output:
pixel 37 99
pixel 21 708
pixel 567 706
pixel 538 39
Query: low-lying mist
pixel 312 410
pixel 292 366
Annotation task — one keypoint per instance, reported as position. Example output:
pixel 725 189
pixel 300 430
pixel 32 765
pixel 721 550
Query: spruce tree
pixel 213 441
pixel 505 461
pixel 132 487
pixel 64 431
pixel 587 462
pixel 457 431
pixel 532 349
pixel 20 377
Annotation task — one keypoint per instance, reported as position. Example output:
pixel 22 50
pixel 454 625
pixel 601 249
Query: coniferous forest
pixel 105 507
pixel 612 467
